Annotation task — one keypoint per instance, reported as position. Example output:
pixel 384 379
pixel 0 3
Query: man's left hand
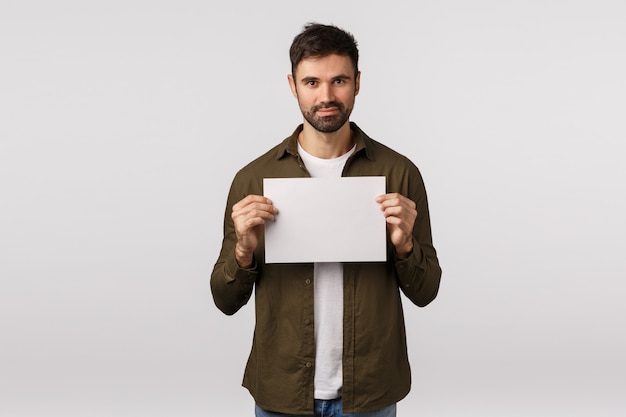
pixel 400 214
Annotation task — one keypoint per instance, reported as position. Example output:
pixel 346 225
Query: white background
pixel 122 124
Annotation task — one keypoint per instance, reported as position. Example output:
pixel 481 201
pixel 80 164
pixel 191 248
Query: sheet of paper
pixel 325 220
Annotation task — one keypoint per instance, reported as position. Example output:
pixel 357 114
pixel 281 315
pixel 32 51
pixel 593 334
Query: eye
pixel 340 81
pixel 311 83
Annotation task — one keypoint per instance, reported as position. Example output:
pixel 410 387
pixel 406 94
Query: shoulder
pixel 266 163
pixel 384 152
pixel 383 155
pixel 276 162
pixel 402 174
pixel 270 161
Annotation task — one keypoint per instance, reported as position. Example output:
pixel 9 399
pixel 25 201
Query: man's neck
pixel 326 145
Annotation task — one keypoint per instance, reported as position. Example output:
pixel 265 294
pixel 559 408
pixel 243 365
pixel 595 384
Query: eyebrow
pixel 337 77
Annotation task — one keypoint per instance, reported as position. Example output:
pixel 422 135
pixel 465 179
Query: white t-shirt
pixel 328 298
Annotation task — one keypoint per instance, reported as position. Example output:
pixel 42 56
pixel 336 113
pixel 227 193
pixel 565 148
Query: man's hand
pixel 249 215
pixel 400 214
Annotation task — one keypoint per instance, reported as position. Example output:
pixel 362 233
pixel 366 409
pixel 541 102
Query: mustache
pixel 327 105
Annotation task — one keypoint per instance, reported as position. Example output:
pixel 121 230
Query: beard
pixel 327 124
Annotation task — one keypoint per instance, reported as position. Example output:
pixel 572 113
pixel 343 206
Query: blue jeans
pixel 330 408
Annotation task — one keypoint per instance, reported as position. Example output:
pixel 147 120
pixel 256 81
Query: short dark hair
pixel 318 40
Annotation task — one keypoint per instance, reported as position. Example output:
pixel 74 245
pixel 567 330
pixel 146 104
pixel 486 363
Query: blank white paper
pixel 325 220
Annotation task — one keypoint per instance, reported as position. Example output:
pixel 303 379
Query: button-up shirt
pixel 280 369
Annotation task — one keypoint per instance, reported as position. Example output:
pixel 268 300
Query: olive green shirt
pixel 376 373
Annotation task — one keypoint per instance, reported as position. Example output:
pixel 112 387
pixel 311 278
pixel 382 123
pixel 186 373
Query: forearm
pixel 419 274
pixel 231 285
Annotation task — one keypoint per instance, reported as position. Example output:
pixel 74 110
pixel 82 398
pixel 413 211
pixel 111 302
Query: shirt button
pixel 308 364
pixel 307 321
pixel 308 281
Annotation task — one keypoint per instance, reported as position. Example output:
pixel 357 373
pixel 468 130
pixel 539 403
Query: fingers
pixel 248 215
pixel 254 215
pixel 254 202
pixel 395 200
pixel 254 210
pixel 396 205
pixel 400 214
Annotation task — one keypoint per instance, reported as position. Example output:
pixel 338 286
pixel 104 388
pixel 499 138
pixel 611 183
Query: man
pixel 329 337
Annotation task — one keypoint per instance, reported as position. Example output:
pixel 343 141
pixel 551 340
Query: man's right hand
pixel 249 215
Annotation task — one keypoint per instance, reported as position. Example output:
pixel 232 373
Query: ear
pixel 292 85
pixel 357 83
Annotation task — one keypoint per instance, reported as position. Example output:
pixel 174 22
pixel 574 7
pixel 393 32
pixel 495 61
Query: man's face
pixel 325 88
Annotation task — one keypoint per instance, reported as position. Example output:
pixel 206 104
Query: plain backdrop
pixel 122 124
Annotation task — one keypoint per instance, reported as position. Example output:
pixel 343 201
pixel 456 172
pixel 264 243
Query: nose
pixel 326 93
